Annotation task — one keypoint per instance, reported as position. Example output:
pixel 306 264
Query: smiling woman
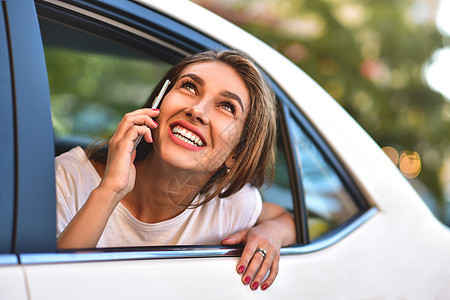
pixel 194 180
pixel 201 93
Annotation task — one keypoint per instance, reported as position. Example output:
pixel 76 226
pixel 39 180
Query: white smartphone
pixel 154 105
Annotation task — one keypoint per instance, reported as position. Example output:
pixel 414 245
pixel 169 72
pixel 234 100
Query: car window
pixel 93 82
pixel 279 190
pixel 328 201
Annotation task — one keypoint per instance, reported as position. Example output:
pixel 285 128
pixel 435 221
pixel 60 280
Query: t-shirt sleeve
pixel 64 211
pixel 258 207
pixel 75 178
pixel 245 207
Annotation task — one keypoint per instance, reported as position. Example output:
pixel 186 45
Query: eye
pixel 189 85
pixel 229 107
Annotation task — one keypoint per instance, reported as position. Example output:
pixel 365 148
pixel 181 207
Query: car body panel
pixel 12 283
pixel 397 250
pixel 391 265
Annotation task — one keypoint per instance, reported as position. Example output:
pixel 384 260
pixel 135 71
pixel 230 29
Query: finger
pixel 145 116
pixel 126 142
pixel 263 270
pixel 147 135
pixel 152 113
pixel 273 273
pixel 132 119
pixel 140 130
pixel 250 272
pixel 133 156
pixel 133 133
pixel 237 238
pixel 269 261
pixel 245 259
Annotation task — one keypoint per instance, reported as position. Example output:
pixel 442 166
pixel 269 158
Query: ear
pixel 229 162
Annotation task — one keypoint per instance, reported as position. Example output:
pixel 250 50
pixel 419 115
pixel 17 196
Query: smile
pixel 187 136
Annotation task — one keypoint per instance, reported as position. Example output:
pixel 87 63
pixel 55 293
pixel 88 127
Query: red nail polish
pixel 241 269
pixel 255 285
pixel 264 286
pixel 155 122
pixel 247 280
pixel 155 109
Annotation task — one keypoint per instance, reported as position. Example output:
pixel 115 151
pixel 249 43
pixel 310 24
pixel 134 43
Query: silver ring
pixel 261 251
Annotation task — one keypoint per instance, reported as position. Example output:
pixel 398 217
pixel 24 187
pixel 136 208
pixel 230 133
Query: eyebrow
pixel 231 95
pixel 194 77
pixel 226 94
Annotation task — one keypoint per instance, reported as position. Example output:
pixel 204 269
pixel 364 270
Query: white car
pixel 71 68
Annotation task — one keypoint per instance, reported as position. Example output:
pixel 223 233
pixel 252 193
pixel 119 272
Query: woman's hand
pixel 275 228
pixel 86 227
pixel 253 265
pixel 120 173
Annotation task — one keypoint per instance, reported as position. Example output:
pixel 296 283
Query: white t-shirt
pixel 208 224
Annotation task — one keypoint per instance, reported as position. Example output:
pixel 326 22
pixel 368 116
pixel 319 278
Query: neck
pixel 161 192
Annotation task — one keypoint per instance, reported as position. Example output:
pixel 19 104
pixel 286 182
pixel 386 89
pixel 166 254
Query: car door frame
pixel 36 245
pixel 169 32
pixel 32 152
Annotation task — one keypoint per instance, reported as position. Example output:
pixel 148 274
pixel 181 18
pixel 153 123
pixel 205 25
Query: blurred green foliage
pixel 91 92
pixel 370 56
pixel 93 80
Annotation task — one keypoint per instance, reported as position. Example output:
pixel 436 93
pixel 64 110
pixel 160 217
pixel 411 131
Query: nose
pixel 198 112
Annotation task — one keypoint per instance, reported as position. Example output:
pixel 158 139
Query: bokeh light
pixel 410 164
pixel 392 153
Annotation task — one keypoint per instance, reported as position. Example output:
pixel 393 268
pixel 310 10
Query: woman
pixel 193 180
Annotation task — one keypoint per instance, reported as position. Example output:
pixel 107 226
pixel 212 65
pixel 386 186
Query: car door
pixel 83 43
pixel 26 150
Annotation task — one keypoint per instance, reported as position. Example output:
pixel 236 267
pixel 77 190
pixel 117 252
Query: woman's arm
pixel 87 226
pixel 275 228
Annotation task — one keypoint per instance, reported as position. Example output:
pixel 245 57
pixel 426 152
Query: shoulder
pixel 222 217
pixel 74 162
pixel 247 196
pixel 75 178
pixel 246 204
pixel 73 158
pixel 74 172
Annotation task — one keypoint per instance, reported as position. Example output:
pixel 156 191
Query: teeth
pixel 187 136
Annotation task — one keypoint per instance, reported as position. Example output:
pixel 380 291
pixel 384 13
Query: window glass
pixel 279 191
pixel 93 81
pixel 328 202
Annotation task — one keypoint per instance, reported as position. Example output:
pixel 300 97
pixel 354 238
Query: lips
pixel 187 136
pixel 186 133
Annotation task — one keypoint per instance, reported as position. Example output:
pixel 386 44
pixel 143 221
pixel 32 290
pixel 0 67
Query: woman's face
pixel 202 118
